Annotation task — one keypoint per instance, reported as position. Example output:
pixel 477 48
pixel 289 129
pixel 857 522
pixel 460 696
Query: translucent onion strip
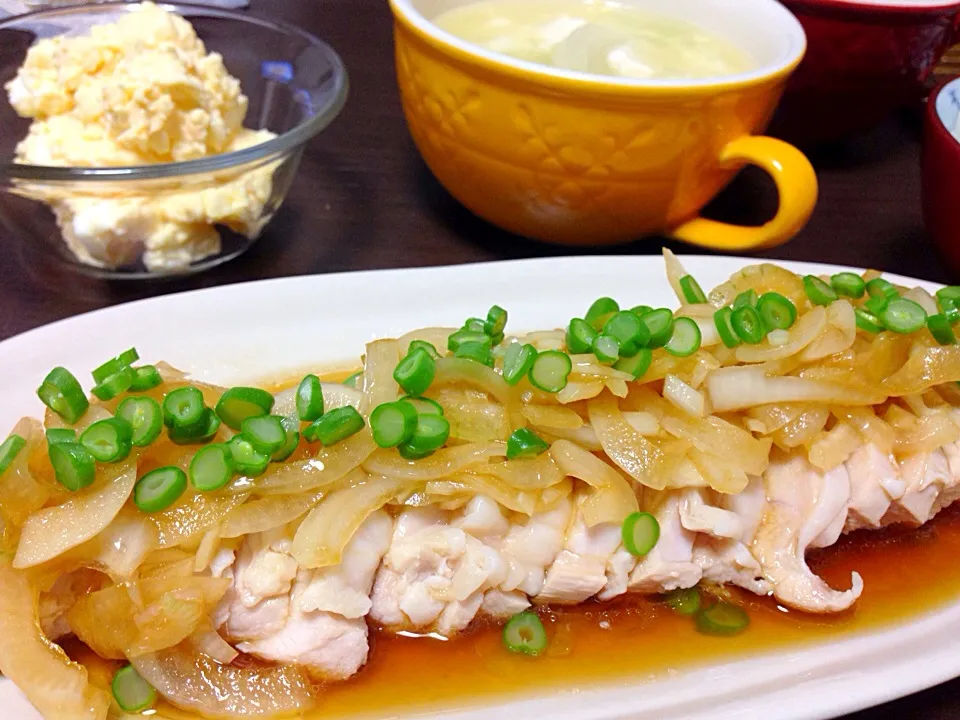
pixel 442 463
pixel 629 450
pixel 267 513
pixel 612 498
pixel 325 468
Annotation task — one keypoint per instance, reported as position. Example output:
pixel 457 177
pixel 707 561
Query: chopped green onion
pixel 550 371
pixel 692 292
pixel 119 382
pixel 309 400
pixel 456 339
pixel 352 380
pixel 745 299
pixel 9 449
pixel 201 431
pixel 818 291
pixel 423 406
pixel 73 465
pixel 951 292
pixel 475 325
pixel 525 443
pixel 606 348
pixel 144 415
pixel 108 440
pixel 430 434
pixel 950 310
pixel 641 310
pixel 878 287
pixel 496 321
pixel 684 601
pixel 776 311
pixel 265 432
pixel 292 428
pixel 867 321
pixel 58 435
pixel 600 310
pixel 723 321
pixel 335 425
pixel 417 344
pixel 903 316
pixel 580 336
pixel 939 327
pixel 239 403
pixel 183 408
pixel 848 284
pixel 876 305
pixel 212 467
pixel 61 392
pixel 722 619
pixel 478 352
pixel 497 339
pixel 393 423
pixel 659 325
pixel 115 365
pixel 637 365
pixel 524 633
pixel 159 489
pixel 641 531
pixel 517 362
pixel 748 325
pixel 686 337
pixel 628 329
pixel 145 378
pixel 416 371
pixel 246 460
pixel 132 693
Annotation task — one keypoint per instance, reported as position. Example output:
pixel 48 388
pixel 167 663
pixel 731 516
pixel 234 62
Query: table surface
pixel 363 199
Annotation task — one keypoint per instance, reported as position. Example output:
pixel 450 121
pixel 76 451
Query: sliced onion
pixel 803 429
pixel 928 434
pixel 805 331
pixel 327 467
pixel 123 545
pixel 460 372
pixel 210 643
pixel 629 450
pixel 684 397
pixel 837 337
pixel 197 683
pixel 738 388
pixel 922 298
pixel 473 417
pixel 267 513
pixel 324 533
pixel 56 686
pixel 560 418
pixel 576 391
pixel 771 418
pixel 52 531
pixel 871 428
pixel 192 515
pixel 924 369
pixel 545 339
pixel 643 422
pixel 21 492
pixel 532 474
pixel 716 437
pixel 587 367
pixel 436 336
pixel 675 271
pixel 724 475
pixel 521 501
pixel 612 497
pixel 378 385
pixel 585 437
pixel 442 463
pixel 834 446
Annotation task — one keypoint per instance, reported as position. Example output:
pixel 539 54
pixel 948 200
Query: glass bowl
pixel 296 86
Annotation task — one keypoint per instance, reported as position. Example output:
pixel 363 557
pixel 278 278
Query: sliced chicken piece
pixel 951 492
pixel 500 604
pixel 434 574
pixel 580 570
pixel 670 564
pixel 531 546
pixel 722 551
pixel 320 623
pixel 874 483
pixel 802 507
pixel 925 475
pixel 826 522
pixel 265 568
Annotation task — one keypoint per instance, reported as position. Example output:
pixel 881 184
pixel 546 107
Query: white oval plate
pixel 273 328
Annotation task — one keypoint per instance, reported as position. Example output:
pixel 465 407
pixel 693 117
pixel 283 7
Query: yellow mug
pixel 581 159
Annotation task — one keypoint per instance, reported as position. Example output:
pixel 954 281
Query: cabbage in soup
pixel 601 38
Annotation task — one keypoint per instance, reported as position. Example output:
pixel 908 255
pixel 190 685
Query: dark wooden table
pixel 364 199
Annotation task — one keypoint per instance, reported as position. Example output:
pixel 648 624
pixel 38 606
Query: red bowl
pixel 940 172
pixel 864 59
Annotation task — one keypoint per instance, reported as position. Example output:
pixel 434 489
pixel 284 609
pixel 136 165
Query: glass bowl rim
pixel 296 136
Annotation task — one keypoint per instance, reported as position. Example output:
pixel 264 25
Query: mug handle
pixel 796 184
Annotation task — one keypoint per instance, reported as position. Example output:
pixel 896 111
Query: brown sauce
pixel 907 572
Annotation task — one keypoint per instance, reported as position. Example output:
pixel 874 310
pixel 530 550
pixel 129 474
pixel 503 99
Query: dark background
pixel 363 199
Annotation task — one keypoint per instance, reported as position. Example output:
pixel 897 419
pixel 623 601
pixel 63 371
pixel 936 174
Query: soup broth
pixel 600 38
